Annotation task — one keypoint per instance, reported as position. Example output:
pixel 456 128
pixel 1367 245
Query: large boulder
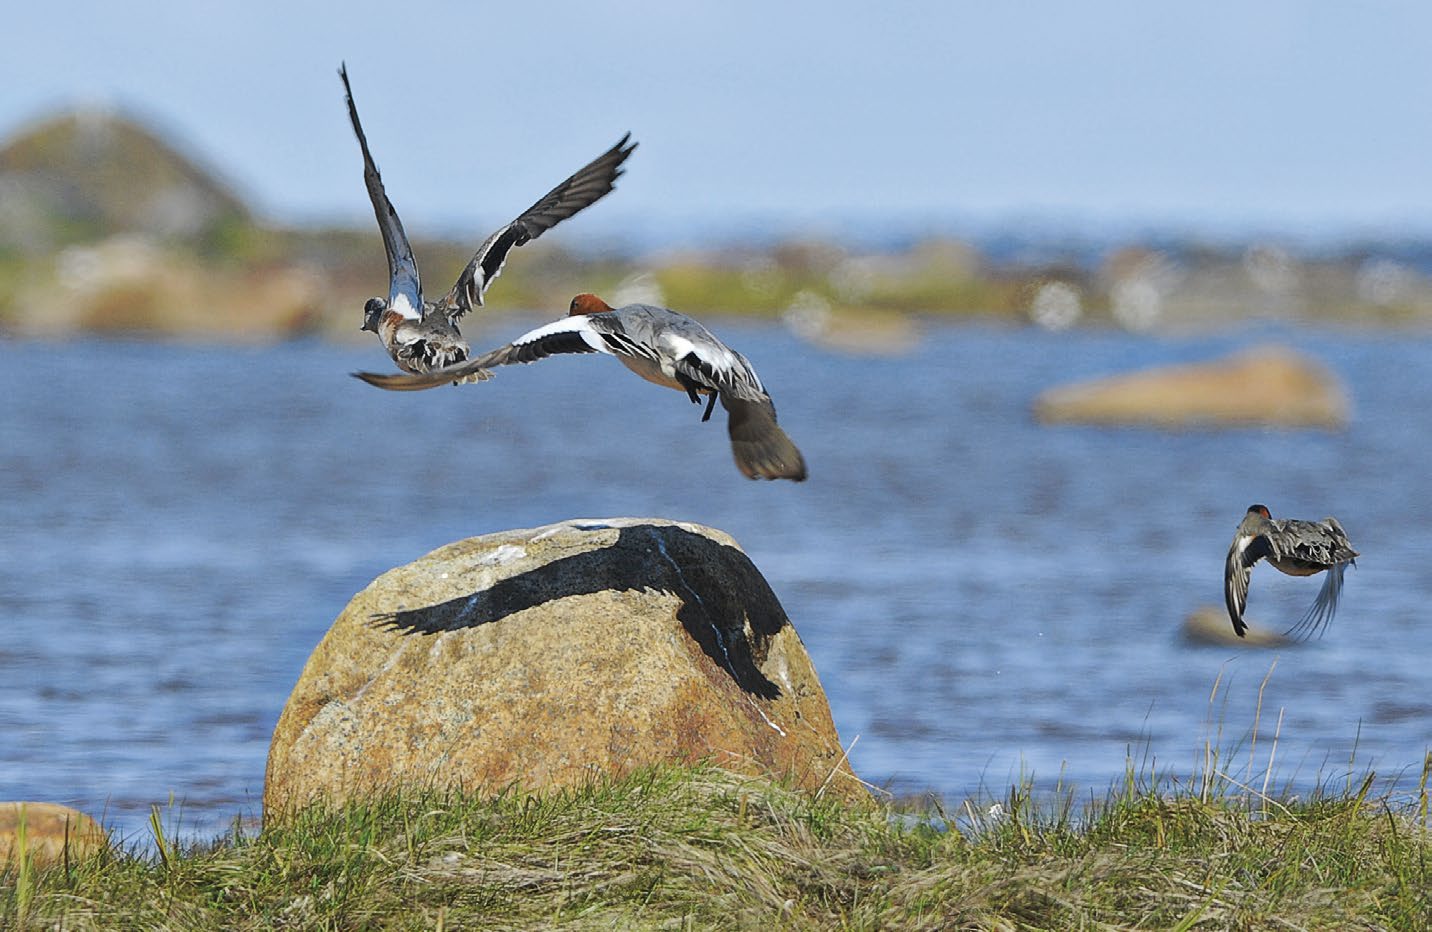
pixel 1269 386
pixel 549 657
pixel 53 834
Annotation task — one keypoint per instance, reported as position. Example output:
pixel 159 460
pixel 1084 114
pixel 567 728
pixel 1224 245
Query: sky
pixel 1299 117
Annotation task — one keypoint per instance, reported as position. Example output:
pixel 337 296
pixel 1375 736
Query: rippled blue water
pixel 983 597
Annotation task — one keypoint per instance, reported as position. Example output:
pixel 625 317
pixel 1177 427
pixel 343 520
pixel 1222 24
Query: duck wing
pixel 1246 550
pixel 588 185
pixel 583 334
pixel 404 285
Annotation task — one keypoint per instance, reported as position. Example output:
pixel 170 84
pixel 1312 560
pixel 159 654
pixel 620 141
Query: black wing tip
pixel 1235 614
pixel 619 153
pixel 353 119
pixel 347 87
pixel 1236 617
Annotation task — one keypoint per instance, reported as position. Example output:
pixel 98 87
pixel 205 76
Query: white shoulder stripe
pixel 576 324
pixel 404 305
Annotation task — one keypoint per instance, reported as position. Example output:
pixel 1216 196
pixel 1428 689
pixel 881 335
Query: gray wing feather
pixel 740 384
pixel 588 185
pixel 1236 572
pixel 1322 542
pixel 1324 607
pixel 523 350
pixel 403 280
pixel 683 341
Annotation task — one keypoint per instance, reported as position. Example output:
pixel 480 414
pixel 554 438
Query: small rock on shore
pixel 1264 387
pixel 53 833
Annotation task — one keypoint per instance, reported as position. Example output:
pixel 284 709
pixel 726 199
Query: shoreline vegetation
pixel 106 228
pixel 698 847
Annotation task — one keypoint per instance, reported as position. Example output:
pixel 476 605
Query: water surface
pixel 983 597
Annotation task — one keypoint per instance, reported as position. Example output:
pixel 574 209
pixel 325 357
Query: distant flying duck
pixel 1298 548
pixel 661 346
pixel 423 335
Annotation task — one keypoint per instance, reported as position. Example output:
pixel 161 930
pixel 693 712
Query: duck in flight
pixel 1298 548
pixel 423 335
pixel 661 346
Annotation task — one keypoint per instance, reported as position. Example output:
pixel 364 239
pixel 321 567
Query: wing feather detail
pixel 565 336
pixel 585 187
pixel 1237 569
pixel 1315 621
pixel 405 290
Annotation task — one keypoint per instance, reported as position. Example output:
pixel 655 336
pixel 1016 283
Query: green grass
pixel 702 848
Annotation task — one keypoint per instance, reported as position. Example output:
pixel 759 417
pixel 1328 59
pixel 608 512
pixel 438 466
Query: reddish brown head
pixel 1259 510
pixel 588 304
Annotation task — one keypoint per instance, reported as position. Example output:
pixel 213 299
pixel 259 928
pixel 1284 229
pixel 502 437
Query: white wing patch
pixel 578 325
pixel 403 305
pixel 726 363
pixel 678 346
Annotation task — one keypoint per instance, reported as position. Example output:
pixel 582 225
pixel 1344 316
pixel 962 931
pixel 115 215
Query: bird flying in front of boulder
pixel 1298 548
pixel 423 335
pixel 661 346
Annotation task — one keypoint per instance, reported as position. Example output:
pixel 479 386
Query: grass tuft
pixel 707 849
